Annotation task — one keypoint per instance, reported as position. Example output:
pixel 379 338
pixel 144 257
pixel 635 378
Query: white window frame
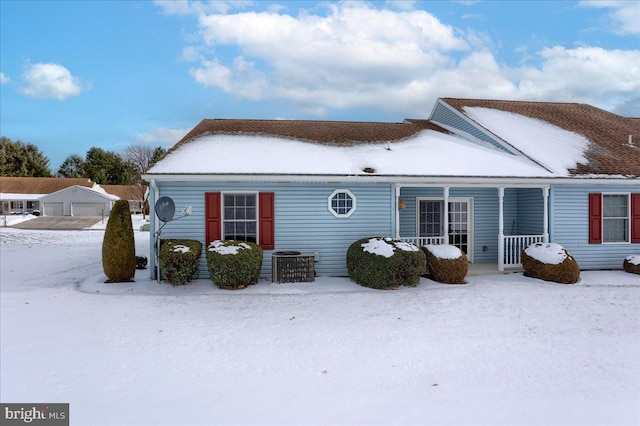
pixel 628 218
pixel 354 203
pixel 222 213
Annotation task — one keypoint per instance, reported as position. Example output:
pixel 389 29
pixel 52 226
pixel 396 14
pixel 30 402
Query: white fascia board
pixel 401 180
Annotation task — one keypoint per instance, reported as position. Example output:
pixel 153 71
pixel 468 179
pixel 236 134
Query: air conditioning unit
pixel 292 267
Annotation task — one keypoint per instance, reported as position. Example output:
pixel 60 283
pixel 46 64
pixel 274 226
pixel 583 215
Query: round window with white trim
pixel 342 203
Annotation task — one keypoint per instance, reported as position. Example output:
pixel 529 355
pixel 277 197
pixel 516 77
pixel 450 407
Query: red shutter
pixel 595 218
pixel 213 224
pixel 635 218
pixel 267 219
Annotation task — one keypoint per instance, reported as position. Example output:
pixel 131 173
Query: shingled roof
pixel 39 185
pixel 125 192
pixel 609 152
pixel 325 132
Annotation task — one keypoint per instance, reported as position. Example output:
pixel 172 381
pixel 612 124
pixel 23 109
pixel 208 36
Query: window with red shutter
pixel 235 216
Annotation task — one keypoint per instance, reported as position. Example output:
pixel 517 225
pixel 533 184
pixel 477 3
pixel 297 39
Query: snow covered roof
pixel 579 139
pixel 96 189
pixel 545 140
pixel 426 153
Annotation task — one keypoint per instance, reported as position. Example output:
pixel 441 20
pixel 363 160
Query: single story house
pixel 488 176
pixel 64 196
pixel 21 195
pixel 134 194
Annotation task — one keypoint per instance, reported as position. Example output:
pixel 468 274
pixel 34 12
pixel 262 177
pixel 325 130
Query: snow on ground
pixel 8 220
pixel 501 350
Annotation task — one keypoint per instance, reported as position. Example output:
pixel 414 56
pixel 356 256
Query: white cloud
pixel 161 137
pixel 51 81
pixel 4 79
pixel 624 14
pixel 358 56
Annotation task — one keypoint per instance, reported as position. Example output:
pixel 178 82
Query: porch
pixel 474 218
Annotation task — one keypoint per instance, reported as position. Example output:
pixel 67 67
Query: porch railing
pixel 513 246
pixel 424 241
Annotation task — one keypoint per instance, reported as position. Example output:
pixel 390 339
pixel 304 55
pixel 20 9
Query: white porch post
pixel 446 215
pixel 545 214
pixel 397 211
pixel 501 228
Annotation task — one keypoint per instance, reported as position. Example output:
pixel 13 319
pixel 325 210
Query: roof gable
pixel 608 151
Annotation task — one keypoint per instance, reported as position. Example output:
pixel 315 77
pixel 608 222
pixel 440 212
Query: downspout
pixel 501 228
pixel 545 223
pixel 397 211
pixel 153 221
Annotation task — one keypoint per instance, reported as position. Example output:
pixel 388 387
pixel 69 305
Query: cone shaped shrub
pixel 385 263
pixel 118 245
pixel 234 264
pixel 631 264
pixel 550 262
pixel 179 260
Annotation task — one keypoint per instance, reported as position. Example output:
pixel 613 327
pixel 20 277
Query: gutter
pixel 462 181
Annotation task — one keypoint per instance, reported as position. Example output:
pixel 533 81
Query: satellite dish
pixel 165 209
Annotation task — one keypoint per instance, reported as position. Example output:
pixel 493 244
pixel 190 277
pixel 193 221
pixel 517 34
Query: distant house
pixel 21 195
pixel 134 194
pixel 490 177
pixel 64 196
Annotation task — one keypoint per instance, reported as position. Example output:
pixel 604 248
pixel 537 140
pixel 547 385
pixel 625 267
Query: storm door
pixel 430 222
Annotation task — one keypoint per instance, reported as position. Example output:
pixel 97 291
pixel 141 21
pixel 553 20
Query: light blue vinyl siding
pixel 569 226
pixel 530 204
pixel 302 219
pixel 445 115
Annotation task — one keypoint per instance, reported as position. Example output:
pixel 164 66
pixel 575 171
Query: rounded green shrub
pixel 385 263
pixel 550 262
pixel 234 264
pixel 118 245
pixel 179 260
pixel 631 264
pixel 446 263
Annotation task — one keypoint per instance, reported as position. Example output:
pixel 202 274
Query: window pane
pixel 229 200
pixel 615 206
pixel 229 213
pixel 615 230
pixel 342 203
pixel 251 213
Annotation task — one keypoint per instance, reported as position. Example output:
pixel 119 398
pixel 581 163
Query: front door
pixel 459 232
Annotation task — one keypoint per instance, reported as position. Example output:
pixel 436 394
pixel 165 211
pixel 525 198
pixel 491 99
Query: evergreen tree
pixel 72 167
pixel 22 159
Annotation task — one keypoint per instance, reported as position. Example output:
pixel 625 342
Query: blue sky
pixel 78 74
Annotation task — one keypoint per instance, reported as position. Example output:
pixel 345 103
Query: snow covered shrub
pixel 141 262
pixel 550 262
pixel 632 264
pixel 179 260
pixel 446 263
pixel 385 263
pixel 234 264
pixel 118 245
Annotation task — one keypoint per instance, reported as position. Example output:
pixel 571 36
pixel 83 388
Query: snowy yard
pixel 502 350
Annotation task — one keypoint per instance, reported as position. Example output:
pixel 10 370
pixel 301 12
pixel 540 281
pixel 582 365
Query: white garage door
pixel 53 209
pixel 86 209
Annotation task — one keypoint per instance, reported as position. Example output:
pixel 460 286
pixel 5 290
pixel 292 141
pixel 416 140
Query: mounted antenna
pixel 630 143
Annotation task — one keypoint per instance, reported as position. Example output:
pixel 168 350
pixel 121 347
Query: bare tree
pixel 142 157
